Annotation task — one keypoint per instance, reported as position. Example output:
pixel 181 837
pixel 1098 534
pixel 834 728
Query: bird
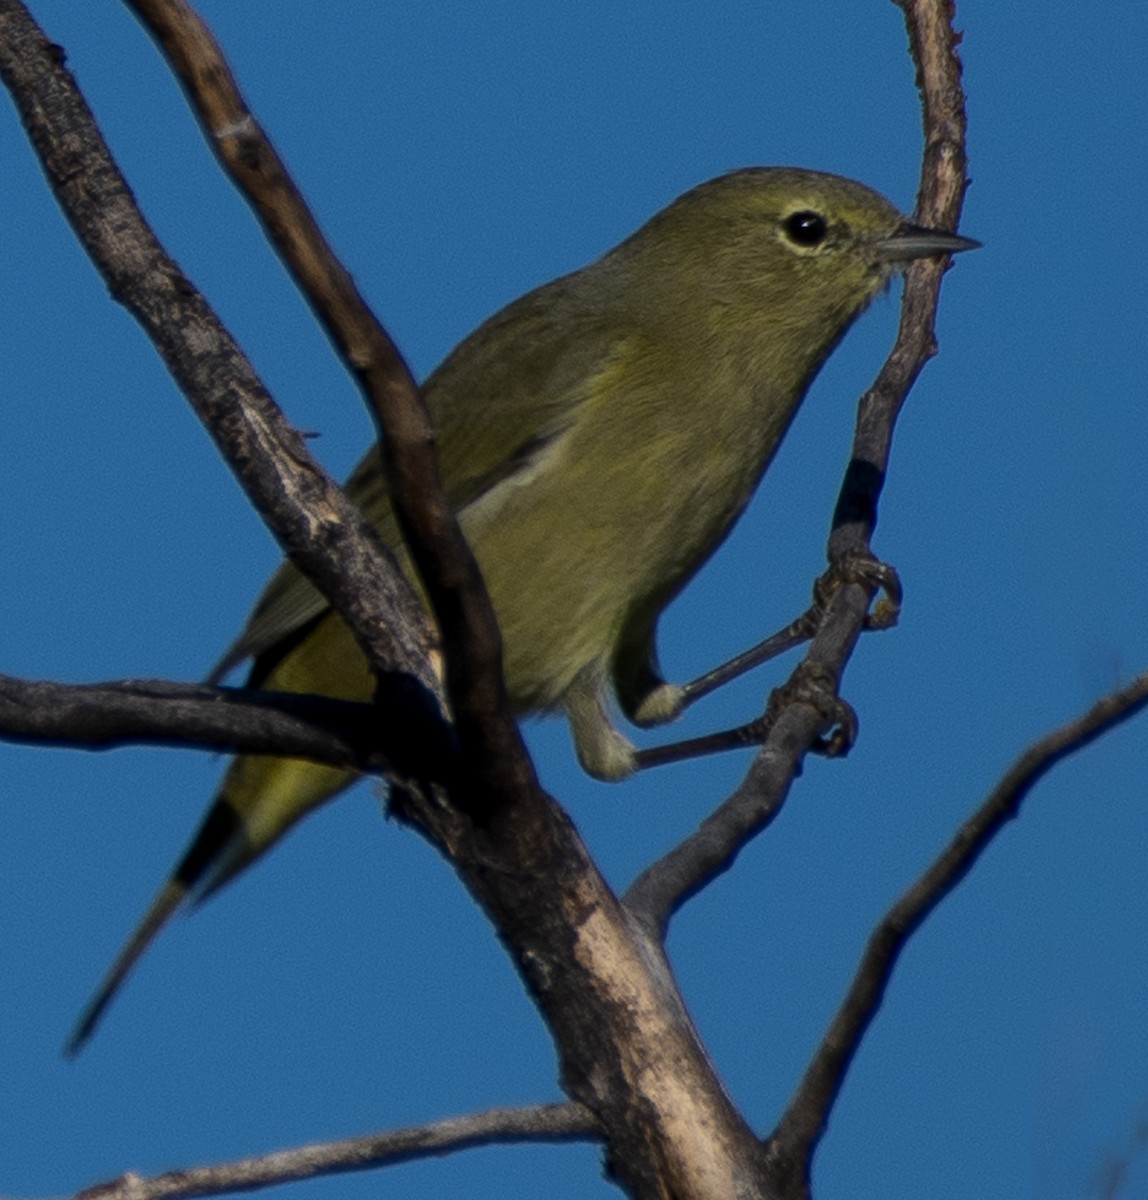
pixel 597 438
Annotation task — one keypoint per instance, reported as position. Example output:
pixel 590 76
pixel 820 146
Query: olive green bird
pixel 598 438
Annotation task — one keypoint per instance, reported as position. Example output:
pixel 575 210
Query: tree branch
pixel 806 1118
pixel 541 1123
pixel 103 716
pixel 803 709
pixel 626 1049
pixel 306 511
pixel 933 46
pixel 483 718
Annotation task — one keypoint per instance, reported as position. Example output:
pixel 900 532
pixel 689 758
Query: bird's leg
pixel 809 686
pixel 860 569
pixel 604 752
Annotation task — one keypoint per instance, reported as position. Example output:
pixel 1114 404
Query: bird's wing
pixel 500 399
pixel 289 603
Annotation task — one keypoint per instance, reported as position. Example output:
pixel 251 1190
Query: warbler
pixel 598 438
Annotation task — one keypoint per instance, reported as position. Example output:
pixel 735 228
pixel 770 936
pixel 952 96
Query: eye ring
pixel 805 228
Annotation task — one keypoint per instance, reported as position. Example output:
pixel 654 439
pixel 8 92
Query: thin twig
pixel 541 1123
pixel 805 1119
pixel 933 46
pixel 801 717
pixel 800 713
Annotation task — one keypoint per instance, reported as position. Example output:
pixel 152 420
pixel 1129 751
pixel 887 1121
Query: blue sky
pixel 458 157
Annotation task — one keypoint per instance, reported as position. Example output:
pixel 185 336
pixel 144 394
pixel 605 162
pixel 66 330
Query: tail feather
pixel 260 799
pixel 170 897
pixel 198 867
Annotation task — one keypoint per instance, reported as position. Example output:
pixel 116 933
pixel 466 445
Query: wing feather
pixel 494 415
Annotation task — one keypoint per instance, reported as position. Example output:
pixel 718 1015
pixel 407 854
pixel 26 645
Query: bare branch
pixel 661 889
pixel 1113 1172
pixel 541 1123
pixel 309 515
pixel 103 716
pixel 933 45
pixel 626 1048
pixel 801 712
pixel 486 725
pixel 806 1117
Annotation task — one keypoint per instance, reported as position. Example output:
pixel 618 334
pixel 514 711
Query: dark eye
pixel 805 228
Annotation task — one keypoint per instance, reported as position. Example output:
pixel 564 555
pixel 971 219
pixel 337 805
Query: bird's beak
pixel 915 241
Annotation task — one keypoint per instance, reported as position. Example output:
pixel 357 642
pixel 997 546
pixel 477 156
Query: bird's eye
pixel 805 228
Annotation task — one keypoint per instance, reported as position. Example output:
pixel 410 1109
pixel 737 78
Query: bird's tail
pixel 169 898
pixel 220 830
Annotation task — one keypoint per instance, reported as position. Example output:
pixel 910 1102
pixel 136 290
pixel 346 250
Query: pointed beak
pixel 915 241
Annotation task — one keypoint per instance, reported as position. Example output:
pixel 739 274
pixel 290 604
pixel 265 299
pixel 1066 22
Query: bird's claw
pixel 869 573
pixel 817 687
